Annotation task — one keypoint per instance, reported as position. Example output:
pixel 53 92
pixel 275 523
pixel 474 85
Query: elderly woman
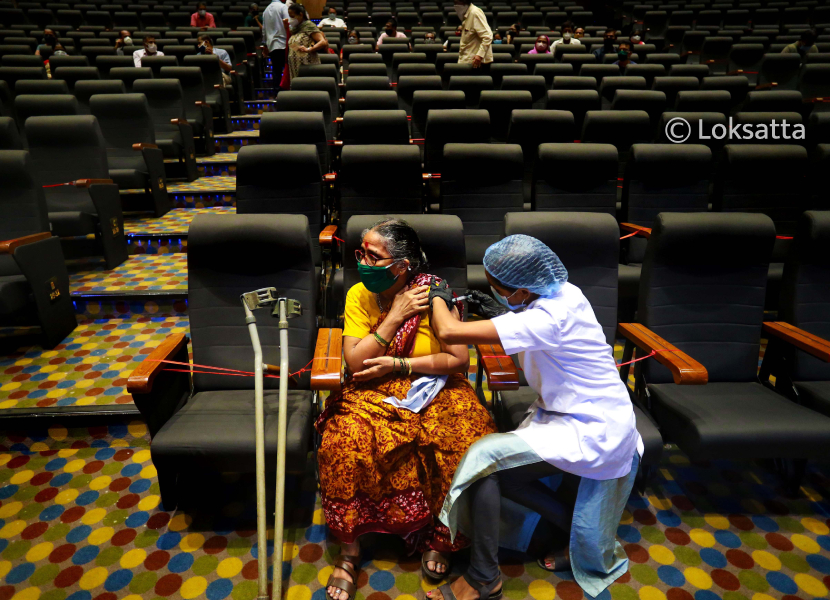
pixel 542 45
pixel 305 42
pixel 391 440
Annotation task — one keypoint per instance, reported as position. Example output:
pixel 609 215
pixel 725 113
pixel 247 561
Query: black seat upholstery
pixel 311 101
pixel 34 283
pixel 480 184
pixel 211 428
pixel 71 75
pixel 165 102
pixel 106 63
pixel 472 86
pixel 291 127
pixel 709 303
pixel 375 127
pixel 409 84
pixel 9 135
pixel 281 179
pixel 125 120
pixel 500 105
pixel 716 101
pixel 217 96
pixel 130 74
pixel 371 100
pixel 453 125
pixel 588 244
pixel 653 102
pixel 576 177
pixel 320 84
pixel 577 102
pixel 155 63
pixel 65 149
pixel 673 85
pixel 773 101
pixel 40 87
pixel 26 106
pixel 196 110
pixel 424 101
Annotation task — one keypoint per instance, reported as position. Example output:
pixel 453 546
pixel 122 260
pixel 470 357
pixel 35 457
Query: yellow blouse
pixel 362 312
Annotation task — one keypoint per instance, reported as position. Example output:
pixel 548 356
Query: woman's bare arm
pixel 452 331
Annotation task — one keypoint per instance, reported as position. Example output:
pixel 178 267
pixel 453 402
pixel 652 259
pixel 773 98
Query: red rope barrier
pixel 224 371
pixel 649 355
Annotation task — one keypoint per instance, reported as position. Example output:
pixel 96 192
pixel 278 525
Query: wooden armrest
pixel 85 183
pixel 179 122
pixel 338 120
pixel 685 54
pixel 327 235
pixel 501 372
pixel 430 176
pixel 327 368
pixel 803 340
pixel 233 72
pixel 218 86
pixel 275 370
pixel 329 177
pixel 201 103
pixel 684 369
pixel 716 61
pixel 9 246
pixel 142 146
pixel 337 142
pixel 140 381
pixel 765 86
pixel 632 228
pixel 816 100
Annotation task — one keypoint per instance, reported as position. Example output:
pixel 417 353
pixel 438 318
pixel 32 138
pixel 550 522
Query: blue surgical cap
pixel 521 261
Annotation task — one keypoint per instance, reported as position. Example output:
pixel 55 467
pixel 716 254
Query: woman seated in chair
pixel 391 440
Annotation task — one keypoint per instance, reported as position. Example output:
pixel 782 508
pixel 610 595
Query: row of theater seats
pixel 704 395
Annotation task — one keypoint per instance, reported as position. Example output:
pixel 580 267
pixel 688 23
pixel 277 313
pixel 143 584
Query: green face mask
pixel 376 279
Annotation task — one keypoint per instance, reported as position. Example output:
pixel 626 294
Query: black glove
pixel 441 290
pixel 483 305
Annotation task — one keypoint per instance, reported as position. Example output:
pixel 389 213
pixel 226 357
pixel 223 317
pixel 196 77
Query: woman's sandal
pixel 439 559
pixel 348 564
pixel 561 561
pixel 483 589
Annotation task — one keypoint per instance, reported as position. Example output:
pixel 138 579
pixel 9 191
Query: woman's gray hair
pixel 401 241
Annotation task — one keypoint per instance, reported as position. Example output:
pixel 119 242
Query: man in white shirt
pixel 149 49
pixel 567 36
pixel 333 20
pixel 273 36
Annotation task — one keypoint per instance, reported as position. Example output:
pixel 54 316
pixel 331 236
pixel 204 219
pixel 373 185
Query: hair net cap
pixel 521 261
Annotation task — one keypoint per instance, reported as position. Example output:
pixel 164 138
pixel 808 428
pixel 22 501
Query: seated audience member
pixel 202 18
pixel 636 37
pixel 353 37
pixel 607 48
pixel 332 20
pixel 50 40
pixel 542 45
pixel 454 38
pixel 514 31
pixel 806 45
pixel 429 37
pixel 206 47
pixel 624 56
pixel 567 35
pixel 123 40
pixel 149 49
pixel 391 30
pixel 391 439
pixel 579 33
pixel 252 18
pixel 497 38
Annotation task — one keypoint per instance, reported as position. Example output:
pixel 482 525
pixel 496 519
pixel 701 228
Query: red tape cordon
pixel 231 372
pixel 59 184
pixel 649 355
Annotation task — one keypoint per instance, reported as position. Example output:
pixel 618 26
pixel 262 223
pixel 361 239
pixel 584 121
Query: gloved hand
pixel 483 305
pixel 441 290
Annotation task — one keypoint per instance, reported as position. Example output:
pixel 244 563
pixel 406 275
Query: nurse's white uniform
pixel 583 421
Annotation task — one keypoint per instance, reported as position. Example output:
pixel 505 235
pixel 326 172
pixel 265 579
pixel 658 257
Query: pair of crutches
pixel 284 309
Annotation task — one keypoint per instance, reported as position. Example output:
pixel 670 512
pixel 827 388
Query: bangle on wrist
pixel 380 340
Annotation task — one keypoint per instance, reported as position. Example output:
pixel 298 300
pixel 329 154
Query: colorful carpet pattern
pixel 81 519
pixel 175 223
pixel 139 274
pixel 92 365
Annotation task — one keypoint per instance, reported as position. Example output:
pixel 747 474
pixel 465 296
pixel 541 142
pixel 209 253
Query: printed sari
pixel 386 469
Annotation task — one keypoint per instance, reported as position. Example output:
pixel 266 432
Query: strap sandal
pixel 484 589
pixel 348 564
pixel 561 561
pixel 438 558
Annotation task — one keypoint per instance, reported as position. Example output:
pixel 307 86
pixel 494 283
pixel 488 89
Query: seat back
pixel 621 128
pixel 362 70
pixel 26 106
pixel 86 88
pixel 9 135
pixel 107 63
pixel 718 101
pixel 481 183
pixel 311 101
pixel 371 100
pixel 576 177
pixel 780 69
pixel 12 75
pixel 424 101
pixel 472 86
pixel 379 179
pixel 22 202
pixel 500 105
pixel 498 71
pixel 289 127
pixel 773 101
pixel 702 288
pixel 65 149
pixel 37 87
pixel 805 297
pixel 588 244
pixel 453 125
pixel 57 62
pixel 155 63
pixel 281 179
pixel 577 102
pixel 409 84
pixel 814 80
pixel 441 237
pixel 193 90
pixel 130 74
pixel 756 121
pixel 320 84
pixel 165 101
pixel 375 127
pixel 124 120
pixel 229 255
pixel 71 75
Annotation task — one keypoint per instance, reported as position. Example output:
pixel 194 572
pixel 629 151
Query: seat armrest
pixel 140 381
pixel 742 72
pixel 327 235
pixel 684 369
pixel 632 228
pixel 327 367
pixel 9 246
pixel 499 368
pixel 85 183
pixel 765 86
pixel 179 122
pixel 142 146
pixel 803 340
pixel 430 176
pixel 329 177
pixel 818 100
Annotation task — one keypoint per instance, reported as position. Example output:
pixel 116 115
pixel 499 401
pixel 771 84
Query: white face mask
pixel 460 10
pixel 292 22
pixel 332 16
pixel 202 12
pixel 352 40
pixel 151 48
pixel 128 41
pixel 566 36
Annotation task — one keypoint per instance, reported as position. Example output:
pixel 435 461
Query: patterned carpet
pixel 139 274
pixel 80 519
pixel 176 222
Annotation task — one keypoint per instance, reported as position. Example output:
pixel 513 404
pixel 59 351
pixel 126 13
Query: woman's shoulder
pixel 358 293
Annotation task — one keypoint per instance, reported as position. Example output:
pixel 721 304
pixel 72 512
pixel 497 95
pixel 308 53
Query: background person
pixel 456 37
pixel 274 36
pixel 542 45
pixel 806 45
pixel 607 48
pixel 567 35
pixel 476 36
pixel 206 47
pixel 624 56
pixel 50 40
pixel 149 49
pixel 202 18
pixel 391 30
pixel 636 37
pixel 332 20
pixel 252 18
pixel 124 39
pixel 305 42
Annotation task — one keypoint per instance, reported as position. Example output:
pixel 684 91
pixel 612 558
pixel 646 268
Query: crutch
pixel 284 309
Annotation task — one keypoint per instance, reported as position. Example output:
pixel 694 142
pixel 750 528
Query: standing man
pixel 476 36
pixel 273 36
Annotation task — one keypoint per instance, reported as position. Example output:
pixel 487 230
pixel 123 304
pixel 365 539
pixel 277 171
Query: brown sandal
pixel 348 564
pixel 437 557
pixel 561 561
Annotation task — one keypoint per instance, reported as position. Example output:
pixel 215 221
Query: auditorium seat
pixel 282 179
pixel 773 101
pixel 452 69
pixel 86 88
pixel 654 103
pixel 291 127
pixel 609 86
pixel 718 101
pixel 588 244
pixel 779 71
pixel 56 62
pixel 9 135
pixel 173 132
pixel 72 75
pixel 497 71
pixel 814 82
pixel 17 60
pixel 671 86
pixel 320 84
pixel 576 177
pixel 500 105
pixel 577 102
pixel 480 183
pixel 213 430
pixel 409 84
pixel 621 128
pixel 535 84
pixel 197 111
pixel 699 71
pixel 371 100
pixel 424 101
pixel 452 125
pixel 34 283
pixel 571 82
pixel 318 71
pixel 599 71
pixel 155 63
pixel 745 59
pixel 315 101
pixel 130 74
pixel 702 290
pixel 33 87
pixel 11 75
pixel 125 122
pixel 754 119
pixel 413 69
pixel 549 71
pixel 363 70
pixel 106 63
pixel 53 105
pixel 471 86
pixel 370 127
pixel 66 149
pixel 217 95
